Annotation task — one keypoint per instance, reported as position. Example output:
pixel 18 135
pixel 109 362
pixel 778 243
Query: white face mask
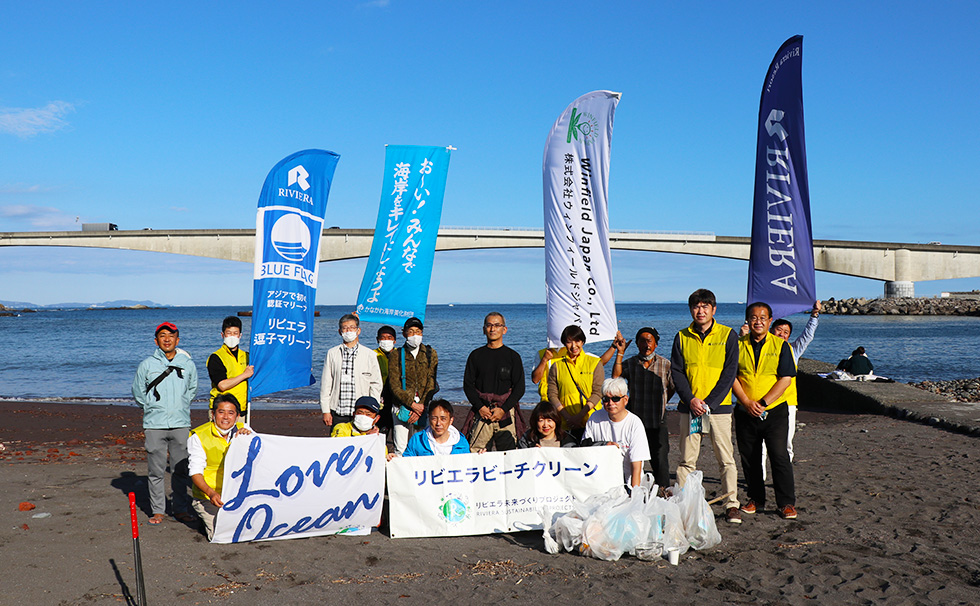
pixel 386 345
pixel 232 341
pixel 363 422
pixel 224 432
pixel 649 356
pixel 349 337
pixel 414 341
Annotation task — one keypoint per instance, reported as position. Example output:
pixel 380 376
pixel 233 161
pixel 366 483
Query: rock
pixel 26 506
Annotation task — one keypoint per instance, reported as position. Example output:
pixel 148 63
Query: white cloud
pixel 23 188
pixel 39 217
pixel 26 122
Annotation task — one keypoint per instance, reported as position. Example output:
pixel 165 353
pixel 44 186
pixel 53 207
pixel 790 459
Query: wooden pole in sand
pixel 137 558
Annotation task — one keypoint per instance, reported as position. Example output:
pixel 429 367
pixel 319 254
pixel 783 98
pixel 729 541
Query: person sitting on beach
pixel 164 386
pixel 650 387
pixel 617 426
pixel 765 373
pixel 367 412
pixel 412 370
pixel 575 381
pixel 440 438
pixel 859 363
pixel 228 368
pixel 207 445
pixel 493 382
pixel 545 429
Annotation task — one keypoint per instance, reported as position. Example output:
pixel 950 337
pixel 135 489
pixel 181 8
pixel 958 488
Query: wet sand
pixel 889 514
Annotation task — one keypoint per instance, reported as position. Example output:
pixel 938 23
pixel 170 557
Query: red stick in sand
pixel 137 558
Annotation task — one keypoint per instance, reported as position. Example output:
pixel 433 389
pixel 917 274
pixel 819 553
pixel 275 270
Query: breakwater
pixel 907 306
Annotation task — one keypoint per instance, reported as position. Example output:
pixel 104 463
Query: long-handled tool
pixel 137 558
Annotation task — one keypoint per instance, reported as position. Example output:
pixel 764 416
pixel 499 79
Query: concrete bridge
pixel 898 265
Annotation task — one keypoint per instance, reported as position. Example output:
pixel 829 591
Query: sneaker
pixel 732 516
pixel 788 512
pixel 749 508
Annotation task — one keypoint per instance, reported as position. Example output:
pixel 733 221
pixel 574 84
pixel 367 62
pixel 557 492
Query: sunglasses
pixel 605 399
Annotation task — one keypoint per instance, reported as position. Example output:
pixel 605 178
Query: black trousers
pixel 657 438
pixel 750 433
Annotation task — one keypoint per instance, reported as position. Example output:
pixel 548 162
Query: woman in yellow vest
pixel 575 382
pixel 206 448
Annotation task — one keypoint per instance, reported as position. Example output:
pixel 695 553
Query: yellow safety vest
pixel 234 366
pixel 758 379
pixel 543 383
pixel 215 447
pixel 382 364
pixel 582 371
pixel 704 361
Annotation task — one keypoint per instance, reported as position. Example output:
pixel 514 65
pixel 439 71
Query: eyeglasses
pixel 605 399
pixel 490 325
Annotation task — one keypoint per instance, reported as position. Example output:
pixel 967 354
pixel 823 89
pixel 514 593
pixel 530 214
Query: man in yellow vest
pixel 765 392
pixel 228 367
pixel 703 366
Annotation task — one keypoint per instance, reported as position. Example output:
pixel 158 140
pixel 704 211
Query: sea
pixel 90 355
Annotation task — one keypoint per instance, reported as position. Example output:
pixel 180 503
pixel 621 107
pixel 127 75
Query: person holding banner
pixel 350 370
pixel 763 388
pixel 228 368
pixel 493 381
pixel 440 438
pixel 575 381
pixel 703 366
pixel 206 447
pixel 412 379
pixel 616 426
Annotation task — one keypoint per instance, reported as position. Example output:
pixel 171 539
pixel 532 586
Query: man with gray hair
pixel 350 370
pixel 617 426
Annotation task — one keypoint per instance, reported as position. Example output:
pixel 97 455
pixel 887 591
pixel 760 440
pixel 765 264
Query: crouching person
pixel 616 426
pixel 440 437
pixel 367 411
pixel 206 448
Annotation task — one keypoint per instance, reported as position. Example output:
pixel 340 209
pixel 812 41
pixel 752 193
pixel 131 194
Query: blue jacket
pixel 418 445
pixel 173 408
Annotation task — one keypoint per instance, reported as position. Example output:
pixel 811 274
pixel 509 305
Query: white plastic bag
pixel 696 515
pixel 666 525
pixel 616 528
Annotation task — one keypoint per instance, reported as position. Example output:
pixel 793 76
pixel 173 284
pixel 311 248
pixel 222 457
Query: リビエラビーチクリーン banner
pixel 454 495
pixel 578 269
pixel 781 270
pixel 278 487
pixel 288 226
pixel 395 285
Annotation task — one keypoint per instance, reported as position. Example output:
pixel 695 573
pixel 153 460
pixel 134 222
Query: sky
pixel 170 115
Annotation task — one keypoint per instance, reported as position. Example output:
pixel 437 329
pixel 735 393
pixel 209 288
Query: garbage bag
pixel 666 525
pixel 696 515
pixel 616 528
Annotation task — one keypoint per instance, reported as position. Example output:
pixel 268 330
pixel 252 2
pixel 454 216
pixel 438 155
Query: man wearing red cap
pixel 164 386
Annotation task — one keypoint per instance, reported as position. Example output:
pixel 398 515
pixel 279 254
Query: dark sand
pixel 889 514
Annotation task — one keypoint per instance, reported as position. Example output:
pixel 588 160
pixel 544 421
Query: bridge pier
pixel 902 285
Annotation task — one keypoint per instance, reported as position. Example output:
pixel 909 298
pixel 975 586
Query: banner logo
pixel 454 508
pixel 291 237
pixel 582 123
pixel 297 176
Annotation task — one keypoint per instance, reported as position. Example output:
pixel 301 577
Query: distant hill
pixel 76 305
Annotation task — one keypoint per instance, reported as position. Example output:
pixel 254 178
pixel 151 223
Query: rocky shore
pixel 957 390
pixel 917 306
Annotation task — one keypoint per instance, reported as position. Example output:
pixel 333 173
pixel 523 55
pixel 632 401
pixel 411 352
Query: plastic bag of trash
pixel 666 525
pixel 616 528
pixel 696 515
pixel 564 530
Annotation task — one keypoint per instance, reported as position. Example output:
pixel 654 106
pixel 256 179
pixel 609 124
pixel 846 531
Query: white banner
pixel 278 487
pixel 578 268
pixel 455 495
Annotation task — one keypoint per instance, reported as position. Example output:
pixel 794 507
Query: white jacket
pixel 367 377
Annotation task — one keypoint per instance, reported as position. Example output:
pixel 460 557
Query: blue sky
pixel 170 115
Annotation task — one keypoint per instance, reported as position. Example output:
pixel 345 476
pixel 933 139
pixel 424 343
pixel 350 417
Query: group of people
pixel 392 389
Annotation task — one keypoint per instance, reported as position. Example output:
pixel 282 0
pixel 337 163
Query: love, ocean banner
pixel 456 495
pixel 578 268
pixel 395 285
pixel 781 271
pixel 288 226
pixel 279 487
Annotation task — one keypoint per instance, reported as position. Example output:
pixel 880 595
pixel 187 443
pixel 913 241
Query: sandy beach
pixel 889 514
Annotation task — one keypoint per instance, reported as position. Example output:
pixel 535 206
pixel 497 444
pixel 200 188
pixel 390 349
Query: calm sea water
pixel 91 356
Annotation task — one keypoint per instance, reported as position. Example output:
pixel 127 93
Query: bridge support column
pixel 902 285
